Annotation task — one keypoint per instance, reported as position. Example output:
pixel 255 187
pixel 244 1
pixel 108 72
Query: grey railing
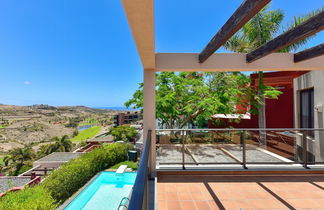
pixel 300 152
pixel 140 194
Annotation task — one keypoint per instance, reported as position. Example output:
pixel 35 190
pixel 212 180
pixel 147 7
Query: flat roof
pixel 60 156
pixel 8 182
pixel 108 138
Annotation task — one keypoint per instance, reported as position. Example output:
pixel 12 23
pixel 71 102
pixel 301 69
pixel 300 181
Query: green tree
pixel 258 31
pixel 17 159
pixel 43 150
pixel 62 144
pixel 183 98
pixel 75 133
pixel 123 133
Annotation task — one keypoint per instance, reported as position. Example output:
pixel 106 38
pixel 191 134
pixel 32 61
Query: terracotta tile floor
pixel 240 192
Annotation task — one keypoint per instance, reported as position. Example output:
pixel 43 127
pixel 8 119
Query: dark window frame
pixel 309 93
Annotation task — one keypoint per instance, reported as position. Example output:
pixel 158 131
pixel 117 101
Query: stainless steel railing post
pixel 305 153
pixel 244 149
pixel 183 149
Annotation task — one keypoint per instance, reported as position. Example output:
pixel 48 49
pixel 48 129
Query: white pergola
pixel 140 15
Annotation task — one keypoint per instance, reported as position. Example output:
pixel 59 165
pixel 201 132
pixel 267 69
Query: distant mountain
pixel 120 108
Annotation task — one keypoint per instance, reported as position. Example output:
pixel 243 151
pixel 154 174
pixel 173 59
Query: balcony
pixel 231 169
pixel 237 148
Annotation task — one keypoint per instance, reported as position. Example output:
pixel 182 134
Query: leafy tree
pixel 43 150
pixel 62 144
pixel 258 31
pixel 183 98
pixel 17 159
pixel 123 133
pixel 75 133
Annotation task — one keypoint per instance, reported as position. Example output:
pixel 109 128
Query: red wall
pixel 279 112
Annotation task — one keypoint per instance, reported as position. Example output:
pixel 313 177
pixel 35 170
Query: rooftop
pixel 108 138
pixel 9 182
pixel 60 156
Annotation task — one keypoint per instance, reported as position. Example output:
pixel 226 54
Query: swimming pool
pixel 104 192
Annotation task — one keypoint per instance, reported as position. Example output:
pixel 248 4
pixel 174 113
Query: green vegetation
pixel 62 144
pixel 123 133
pixel 18 160
pixel 66 180
pixel 130 164
pixel 262 28
pixel 87 134
pixel 89 121
pixel 186 97
pixel 31 198
pixel 1 159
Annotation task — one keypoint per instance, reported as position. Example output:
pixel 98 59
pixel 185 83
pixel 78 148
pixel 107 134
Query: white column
pixel 149 122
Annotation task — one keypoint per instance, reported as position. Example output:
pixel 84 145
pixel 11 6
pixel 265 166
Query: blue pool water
pixel 84 127
pixel 104 192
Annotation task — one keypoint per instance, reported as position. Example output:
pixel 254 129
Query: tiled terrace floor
pixel 240 192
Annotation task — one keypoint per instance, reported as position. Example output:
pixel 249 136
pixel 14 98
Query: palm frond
pixel 297 21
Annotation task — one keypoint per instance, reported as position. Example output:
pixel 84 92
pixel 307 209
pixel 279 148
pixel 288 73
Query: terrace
pixel 50 162
pixel 226 168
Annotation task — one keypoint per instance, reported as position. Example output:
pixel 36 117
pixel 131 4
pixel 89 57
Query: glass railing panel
pixel 208 147
pixel 315 147
pixel 170 149
pixel 270 146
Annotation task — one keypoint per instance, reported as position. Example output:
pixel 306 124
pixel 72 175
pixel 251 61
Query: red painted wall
pixel 279 112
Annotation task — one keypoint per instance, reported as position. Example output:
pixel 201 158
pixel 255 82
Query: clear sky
pixel 81 52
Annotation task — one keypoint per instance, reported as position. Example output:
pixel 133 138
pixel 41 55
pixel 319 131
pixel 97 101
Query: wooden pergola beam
pixel 229 62
pixel 140 16
pixel 241 16
pixel 309 53
pixel 306 29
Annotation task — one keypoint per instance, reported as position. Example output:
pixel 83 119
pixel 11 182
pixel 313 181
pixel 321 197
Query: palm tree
pixel 258 31
pixel 18 158
pixel 62 144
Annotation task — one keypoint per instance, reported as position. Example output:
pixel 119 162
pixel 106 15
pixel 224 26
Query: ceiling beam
pixel 140 16
pixel 306 29
pixel 227 62
pixel 241 16
pixel 309 53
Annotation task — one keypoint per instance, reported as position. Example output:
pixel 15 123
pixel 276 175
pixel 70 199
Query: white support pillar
pixel 149 122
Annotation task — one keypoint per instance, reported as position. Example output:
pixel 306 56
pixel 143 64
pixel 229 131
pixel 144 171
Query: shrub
pixel 67 179
pixel 130 164
pixel 75 133
pixel 31 198
pixel 123 133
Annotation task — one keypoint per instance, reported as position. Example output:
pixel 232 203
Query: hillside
pixel 30 125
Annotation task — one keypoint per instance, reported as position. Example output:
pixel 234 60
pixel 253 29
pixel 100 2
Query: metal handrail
pixel 302 132
pixel 137 201
pixel 121 203
pixel 241 129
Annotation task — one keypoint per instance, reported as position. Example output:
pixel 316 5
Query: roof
pixel 8 182
pixel 108 138
pixel 246 116
pixel 60 156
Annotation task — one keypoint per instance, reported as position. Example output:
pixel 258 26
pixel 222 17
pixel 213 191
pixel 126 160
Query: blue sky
pixel 80 52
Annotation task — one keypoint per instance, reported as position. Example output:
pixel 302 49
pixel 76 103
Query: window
pixel 307 109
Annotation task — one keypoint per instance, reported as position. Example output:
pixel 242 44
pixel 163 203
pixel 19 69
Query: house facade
pixel 308 106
